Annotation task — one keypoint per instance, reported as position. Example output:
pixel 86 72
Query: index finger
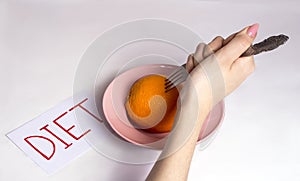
pixel 238 45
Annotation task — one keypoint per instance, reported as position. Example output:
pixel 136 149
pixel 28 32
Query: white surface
pixel 41 43
pixel 54 138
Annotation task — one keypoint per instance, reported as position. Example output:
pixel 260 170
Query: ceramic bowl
pixel 114 110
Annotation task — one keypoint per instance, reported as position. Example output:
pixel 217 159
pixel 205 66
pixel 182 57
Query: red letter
pixel 36 149
pixel 87 111
pixel 45 128
pixel 69 129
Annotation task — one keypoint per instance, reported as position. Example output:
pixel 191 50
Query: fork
pixel 180 74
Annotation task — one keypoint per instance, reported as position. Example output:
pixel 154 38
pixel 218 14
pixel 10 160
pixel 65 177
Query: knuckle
pixel 198 55
pixel 200 47
pixel 219 38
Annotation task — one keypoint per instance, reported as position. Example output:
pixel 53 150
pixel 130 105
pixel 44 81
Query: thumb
pixel 238 45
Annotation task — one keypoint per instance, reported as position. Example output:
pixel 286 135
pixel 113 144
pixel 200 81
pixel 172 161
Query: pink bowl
pixel 114 110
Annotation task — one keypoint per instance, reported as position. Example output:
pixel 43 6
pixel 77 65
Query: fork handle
pixel 268 44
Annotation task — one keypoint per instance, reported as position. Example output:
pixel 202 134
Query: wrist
pixel 190 101
pixel 192 96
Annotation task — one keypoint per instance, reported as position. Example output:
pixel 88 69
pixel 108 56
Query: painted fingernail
pixel 252 30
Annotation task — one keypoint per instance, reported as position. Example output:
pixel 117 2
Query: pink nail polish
pixel 252 30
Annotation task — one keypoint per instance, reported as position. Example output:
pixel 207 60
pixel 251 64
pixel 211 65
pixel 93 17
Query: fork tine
pixel 167 82
pixel 176 82
pixel 174 74
pixel 170 87
pixel 172 81
pixel 175 78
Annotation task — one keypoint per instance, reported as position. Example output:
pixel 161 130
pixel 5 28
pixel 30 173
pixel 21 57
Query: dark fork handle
pixel 268 44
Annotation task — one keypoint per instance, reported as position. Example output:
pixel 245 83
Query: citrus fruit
pixel 149 107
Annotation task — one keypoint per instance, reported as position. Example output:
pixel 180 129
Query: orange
pixel 149 107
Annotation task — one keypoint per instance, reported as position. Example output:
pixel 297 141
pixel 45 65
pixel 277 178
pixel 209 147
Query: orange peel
pixel 149 107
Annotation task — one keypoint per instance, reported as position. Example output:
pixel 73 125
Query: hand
pixel 210 80
pixel 222 72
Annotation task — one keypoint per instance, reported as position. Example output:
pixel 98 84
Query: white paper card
pixel 53 139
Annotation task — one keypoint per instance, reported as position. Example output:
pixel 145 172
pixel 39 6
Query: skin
pixel 234 71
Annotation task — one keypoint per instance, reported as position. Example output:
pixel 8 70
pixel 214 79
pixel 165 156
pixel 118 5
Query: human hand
pixel 210 81
pixel 223 71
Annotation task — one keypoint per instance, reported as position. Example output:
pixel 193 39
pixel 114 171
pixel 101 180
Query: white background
pixel 40 46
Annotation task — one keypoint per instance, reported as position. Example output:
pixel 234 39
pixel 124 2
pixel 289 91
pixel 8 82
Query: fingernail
pixel 252 30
